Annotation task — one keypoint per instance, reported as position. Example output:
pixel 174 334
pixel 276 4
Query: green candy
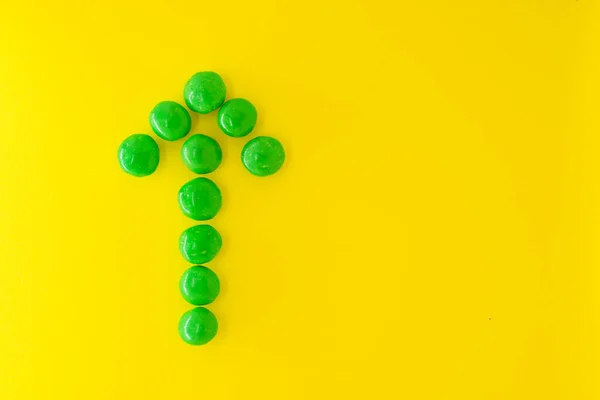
pixel 237 117
pixel 201 154
pixel 139 155
pixel 200 244
pixel 200 199
pixel 199 285
pixel 263 156
pixel 204 92
pixel 198 326
pixel 170 120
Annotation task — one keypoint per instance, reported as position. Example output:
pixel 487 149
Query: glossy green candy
pixel 200 244
pixel 237 117
pixel 170 120
pixel 199 285
pixel 204 92
pixel 139 155
pixel 198 326
pixel 200 199
pixel 263 156
pixel 201 154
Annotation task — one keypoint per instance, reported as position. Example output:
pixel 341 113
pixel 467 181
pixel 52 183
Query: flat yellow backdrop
pixel 434 233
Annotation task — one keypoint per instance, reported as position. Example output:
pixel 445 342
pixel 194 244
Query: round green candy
pixel 198 326
pixel 170 120
pixel 139 155
pixel 200 244
pixel 200 199
pixel 263 156
pixel 204 92
pixel 199 285
pixel 201 154
pixel 237 117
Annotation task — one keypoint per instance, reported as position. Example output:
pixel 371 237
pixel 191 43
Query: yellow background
pixel 433 234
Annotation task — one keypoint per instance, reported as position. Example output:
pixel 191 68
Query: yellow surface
pixel 434 234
